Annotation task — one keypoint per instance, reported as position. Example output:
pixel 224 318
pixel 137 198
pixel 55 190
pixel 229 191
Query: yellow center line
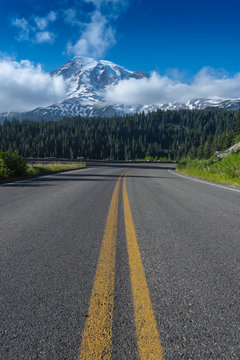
pixel 148 340
pixel 97 336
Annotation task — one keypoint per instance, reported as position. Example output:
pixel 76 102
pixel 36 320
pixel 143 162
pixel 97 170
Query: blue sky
pixel 190 47
pixel 147 35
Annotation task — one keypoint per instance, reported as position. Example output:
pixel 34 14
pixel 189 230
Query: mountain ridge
pixel 86 79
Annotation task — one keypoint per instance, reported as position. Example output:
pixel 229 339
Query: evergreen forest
pixel 168 135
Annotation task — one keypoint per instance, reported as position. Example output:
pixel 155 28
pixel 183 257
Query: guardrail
pixel 130 161
pixel 53 159
pixel 50 160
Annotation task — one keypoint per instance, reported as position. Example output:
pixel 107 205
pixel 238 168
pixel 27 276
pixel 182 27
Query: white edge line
pixel 204 182
pixel 42 176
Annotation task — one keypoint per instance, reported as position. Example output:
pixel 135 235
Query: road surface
pixel 119 262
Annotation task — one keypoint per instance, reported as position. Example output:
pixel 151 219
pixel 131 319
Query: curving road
pixel 119 262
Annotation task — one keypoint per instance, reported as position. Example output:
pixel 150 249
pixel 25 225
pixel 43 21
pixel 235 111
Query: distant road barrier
pixel 50 160
pixel 129 161
pixel 81 159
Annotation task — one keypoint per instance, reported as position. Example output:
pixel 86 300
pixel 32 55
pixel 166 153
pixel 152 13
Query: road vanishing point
pixel 119 261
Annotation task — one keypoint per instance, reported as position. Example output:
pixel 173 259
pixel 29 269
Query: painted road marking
pixel 148 340
pixel 204 182
pixel 97 336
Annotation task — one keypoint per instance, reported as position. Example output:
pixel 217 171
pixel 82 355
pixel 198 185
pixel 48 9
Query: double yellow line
pixel 97 336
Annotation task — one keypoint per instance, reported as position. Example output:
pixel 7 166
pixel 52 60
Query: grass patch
pixel 160 159
pixel 224 171
pixel 45 169
pixel 42 168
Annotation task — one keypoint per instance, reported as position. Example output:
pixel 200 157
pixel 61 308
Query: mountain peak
pixel 86 80
pixel 83 60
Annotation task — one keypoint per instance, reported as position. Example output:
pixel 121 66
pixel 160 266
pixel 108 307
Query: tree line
pixel 160 134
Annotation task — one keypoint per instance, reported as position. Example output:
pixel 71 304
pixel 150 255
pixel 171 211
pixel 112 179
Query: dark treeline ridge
pixel 160 134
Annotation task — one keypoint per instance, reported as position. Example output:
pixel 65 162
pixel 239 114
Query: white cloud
pixel 24 28
pixel 161 89
pixel 99 3
pixel 25 86
pixel 97 37
pixel 70 17
pixel 44 36
pixel 37 33
pixel 42 22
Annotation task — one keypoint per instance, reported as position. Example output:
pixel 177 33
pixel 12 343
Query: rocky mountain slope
pixel 86 79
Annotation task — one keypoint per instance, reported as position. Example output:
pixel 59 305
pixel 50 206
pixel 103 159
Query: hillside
pixel 168 134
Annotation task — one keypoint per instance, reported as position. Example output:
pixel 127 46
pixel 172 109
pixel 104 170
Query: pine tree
pixel 237 128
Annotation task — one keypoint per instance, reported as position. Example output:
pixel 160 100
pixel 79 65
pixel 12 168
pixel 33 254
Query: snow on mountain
pixel 86 79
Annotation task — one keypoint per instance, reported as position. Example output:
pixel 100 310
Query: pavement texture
pixel 51 232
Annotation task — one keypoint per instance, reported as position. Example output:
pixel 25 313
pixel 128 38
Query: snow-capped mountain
pixel 86 79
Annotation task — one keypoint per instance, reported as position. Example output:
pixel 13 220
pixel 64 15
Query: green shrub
pixel 226 170
pixel 236 139
pixel 3 169
pixel 12 164
pixel 229 166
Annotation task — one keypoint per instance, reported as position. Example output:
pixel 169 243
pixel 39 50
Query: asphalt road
pixel 55 283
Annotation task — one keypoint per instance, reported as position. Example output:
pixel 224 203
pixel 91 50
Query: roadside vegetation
pixel 151 158
pixel 41 168
pixel 224 171
pixel 224 168
pixel 13 165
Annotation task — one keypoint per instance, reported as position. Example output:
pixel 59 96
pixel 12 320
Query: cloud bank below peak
pixel 25 86
pixel 159 89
